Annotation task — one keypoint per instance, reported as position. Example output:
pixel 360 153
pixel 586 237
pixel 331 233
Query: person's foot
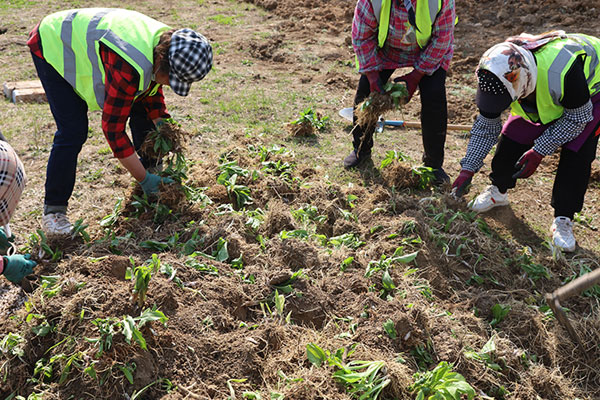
pixel 440 176
pixel 354 160
pixel 488 199
pixel 56 224
pixel 562 234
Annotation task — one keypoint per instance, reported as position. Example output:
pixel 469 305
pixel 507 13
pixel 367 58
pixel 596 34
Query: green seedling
pixel 264 153
pixel 11 344
pixel 295 234
pixel 280 169
pixel 346 263
pixel 386 262
pixel 425 174
pixel 422 356
pixel 363 379
pixel 39 240
pixel 350 240
pixel 112 218
pixel 487 355
pixel 79 230
pixel 128 370
pixel 308 214
pixel 391 156
pixel 312 118
pixel 143 274
pixel 524 260
pixel 499 311
pixel 441 384
pixel 142 204
pixel 240 193
pixel 42 370
pixel 390 328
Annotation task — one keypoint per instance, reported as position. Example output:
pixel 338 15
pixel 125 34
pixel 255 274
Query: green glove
pixel 5 242
pixel 17 267
pixel 151 182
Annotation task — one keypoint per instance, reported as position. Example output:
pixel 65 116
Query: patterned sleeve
pixel 442 39
pixel 121 83
pixel 364 37
pixel 155 105
pixel 484 135
pixel 563 130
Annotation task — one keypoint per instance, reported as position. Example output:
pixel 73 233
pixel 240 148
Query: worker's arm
pixel 439 47
pixel 578 112
pixel 364 37
pixel 484 135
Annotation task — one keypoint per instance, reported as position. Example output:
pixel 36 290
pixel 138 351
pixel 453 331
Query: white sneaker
pixel 562 234
pixel 56 224
pixel 488 199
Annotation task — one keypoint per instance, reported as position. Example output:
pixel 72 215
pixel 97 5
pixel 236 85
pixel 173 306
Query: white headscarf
pixel 514 66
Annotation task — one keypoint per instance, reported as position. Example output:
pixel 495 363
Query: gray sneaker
pixel 56 224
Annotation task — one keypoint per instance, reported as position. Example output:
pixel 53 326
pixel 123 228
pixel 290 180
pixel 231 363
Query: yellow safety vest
pixel 71 41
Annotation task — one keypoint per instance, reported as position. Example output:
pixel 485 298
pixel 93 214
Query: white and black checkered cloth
pixel 190 59
pixel 485 133
pixel 564 129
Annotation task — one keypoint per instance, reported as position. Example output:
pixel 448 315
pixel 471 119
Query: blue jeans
pixel 70 114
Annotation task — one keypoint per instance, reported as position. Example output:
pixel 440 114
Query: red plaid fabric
pixel 398 51
pixel 121 83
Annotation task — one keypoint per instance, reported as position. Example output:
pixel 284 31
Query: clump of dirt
pixel 266 49
pixel 170 137
pixel 400 175
pixel 171 195
pixel 302 129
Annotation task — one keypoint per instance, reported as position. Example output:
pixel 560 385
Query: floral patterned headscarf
pixel 514 66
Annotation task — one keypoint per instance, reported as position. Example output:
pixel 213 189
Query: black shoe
pixel 440 177
pixel 354 160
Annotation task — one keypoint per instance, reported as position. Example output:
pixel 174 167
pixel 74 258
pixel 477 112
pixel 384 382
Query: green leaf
pixel 315 354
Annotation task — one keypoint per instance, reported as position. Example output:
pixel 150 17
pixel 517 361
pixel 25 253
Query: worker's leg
pixel 140 126
pixel 70 114
pixel 572 177
pixel 362 92
pixel 434 118
pixel 507 154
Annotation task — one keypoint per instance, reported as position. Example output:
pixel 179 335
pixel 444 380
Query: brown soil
pixel 223 336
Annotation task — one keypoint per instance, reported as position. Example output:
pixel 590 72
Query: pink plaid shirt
pixel 399 51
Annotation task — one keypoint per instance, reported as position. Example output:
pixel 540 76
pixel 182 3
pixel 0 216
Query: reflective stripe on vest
pixel 425 15
pixel 62 33
pixel 553 62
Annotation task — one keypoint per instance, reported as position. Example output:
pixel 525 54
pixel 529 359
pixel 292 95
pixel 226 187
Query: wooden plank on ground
pixel 24 91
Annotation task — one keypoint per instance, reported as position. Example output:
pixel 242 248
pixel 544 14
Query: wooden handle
pixel 579 285
pixel 451 127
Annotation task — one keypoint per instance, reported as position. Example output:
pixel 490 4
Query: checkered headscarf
pixel 190 59
pixel 12 181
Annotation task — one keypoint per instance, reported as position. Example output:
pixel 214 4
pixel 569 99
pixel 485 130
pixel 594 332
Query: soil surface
pixel 268 246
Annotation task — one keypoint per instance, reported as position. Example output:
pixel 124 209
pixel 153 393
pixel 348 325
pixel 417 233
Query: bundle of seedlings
pixel 368 111
pixel 167 138
pixel 308 124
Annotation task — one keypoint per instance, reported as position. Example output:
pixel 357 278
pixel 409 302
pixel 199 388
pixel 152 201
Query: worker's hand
pixel 17 267
pixel 5 242
pixel 374 81
pixel 527 164
pixel 461 184
pixel 151 182
pixel 412 80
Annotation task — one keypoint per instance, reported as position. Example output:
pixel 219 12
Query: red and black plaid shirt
pixel 121 84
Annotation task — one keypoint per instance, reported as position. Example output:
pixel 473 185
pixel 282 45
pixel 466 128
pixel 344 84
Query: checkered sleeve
pixel 439 47
pixel 484 135
pixel 364 37
pixel 563 130
pixel 121 83
pixel 155 105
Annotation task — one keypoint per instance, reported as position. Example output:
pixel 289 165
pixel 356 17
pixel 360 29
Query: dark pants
pixel 434 116
pixel 572 175
pixel 70 114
